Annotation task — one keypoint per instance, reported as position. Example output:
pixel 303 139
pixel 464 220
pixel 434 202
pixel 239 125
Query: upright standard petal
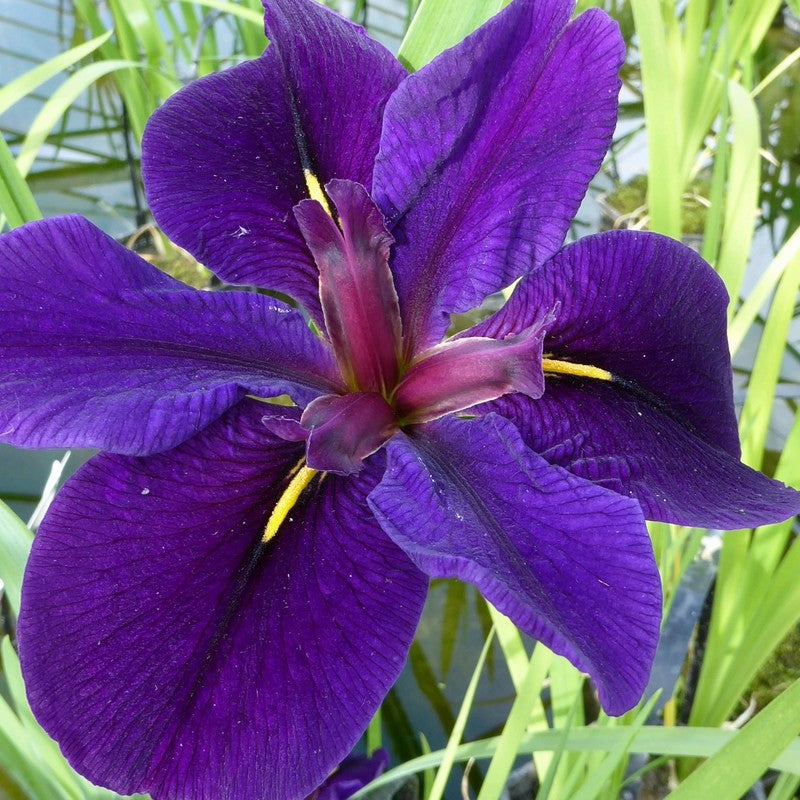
pixel 645 308
pixel 168 650
pixel 570 562
pixel 487 152
pixel 223 159
pixel 100 349
pixel 338 79
pixel 618 439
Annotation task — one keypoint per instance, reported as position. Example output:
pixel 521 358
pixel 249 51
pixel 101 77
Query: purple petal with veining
pixel 345 429
pixel 168 651
pixel 459 374
pixel 358 297
pixel 618 439
pixel 569 562
pixel 100 349
pixel 339 79
pixel 221 160
pixel 644 307
pixel 487 152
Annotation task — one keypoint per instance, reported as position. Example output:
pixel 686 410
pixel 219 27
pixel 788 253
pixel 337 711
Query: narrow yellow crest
pixel 553 366
pixel 287 501
pixel 315 191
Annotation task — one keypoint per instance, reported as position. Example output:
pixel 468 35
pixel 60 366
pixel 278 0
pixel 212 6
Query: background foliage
pixel 711 115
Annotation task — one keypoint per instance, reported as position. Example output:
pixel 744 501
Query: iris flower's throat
pixel 356 287
pixel 288 500
pixel 552 366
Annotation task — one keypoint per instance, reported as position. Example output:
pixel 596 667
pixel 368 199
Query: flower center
pixel 351 248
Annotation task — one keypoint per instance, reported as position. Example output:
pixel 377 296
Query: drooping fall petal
pixel 486 153
pixel 644 307
pixel 617 439
pixel 570 562
pixel 167 650
pixel 100 349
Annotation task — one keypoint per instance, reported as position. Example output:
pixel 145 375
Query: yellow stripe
pixel 315 191
pixel 555 367
pixel 287 501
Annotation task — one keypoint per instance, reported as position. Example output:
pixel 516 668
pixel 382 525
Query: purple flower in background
pixel 216 605
pixel 354 773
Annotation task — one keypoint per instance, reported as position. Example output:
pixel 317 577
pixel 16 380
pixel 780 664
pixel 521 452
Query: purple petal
pixel 167 650
pixel 339 80
pixel 353 774
pixel 487 152
pixel 644 307
pixel 358 297
pixel 459 374
pixel 222 174
pixel 222 160
pixel 100 349
pixel 614 438
pixel 345 429
pixel 568 561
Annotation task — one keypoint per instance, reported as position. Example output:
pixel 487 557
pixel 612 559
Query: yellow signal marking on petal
pixel 315 191
pixel 288 500
pixel 555 367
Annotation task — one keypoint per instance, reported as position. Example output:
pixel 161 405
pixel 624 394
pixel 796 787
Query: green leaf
pixel 446 764
pixel 739 764
pixel 17 203
pixel 690 742
pixel 15 544
pixel 26 83
pixel 527 696
pixel 57 105
pixel 439 24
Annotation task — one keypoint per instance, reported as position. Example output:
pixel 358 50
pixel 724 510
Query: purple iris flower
pixel 354 773
pixel 216 605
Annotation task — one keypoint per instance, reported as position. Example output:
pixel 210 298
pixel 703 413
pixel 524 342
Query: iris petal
pixel 612 437
pixel 100 349
pixel 170 652
pixel 571 563
pixel 222 161
pixel 486 153
pixel 644 307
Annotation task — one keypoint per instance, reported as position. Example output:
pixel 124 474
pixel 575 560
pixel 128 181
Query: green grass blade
pixel 20 87
pixel 439 24
pixel 15 544
pixel 235 10
pixel 757 410
pixel 518 718
pixel 744 184
pixel 665 183
pixel 57 105
pixel 446 764
pixel 691 742
pixel 17 203
pixel 511 644
pixel 735 768
pixel 785 788
pixel 558 752
pixel 786 258
pixel 599 776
